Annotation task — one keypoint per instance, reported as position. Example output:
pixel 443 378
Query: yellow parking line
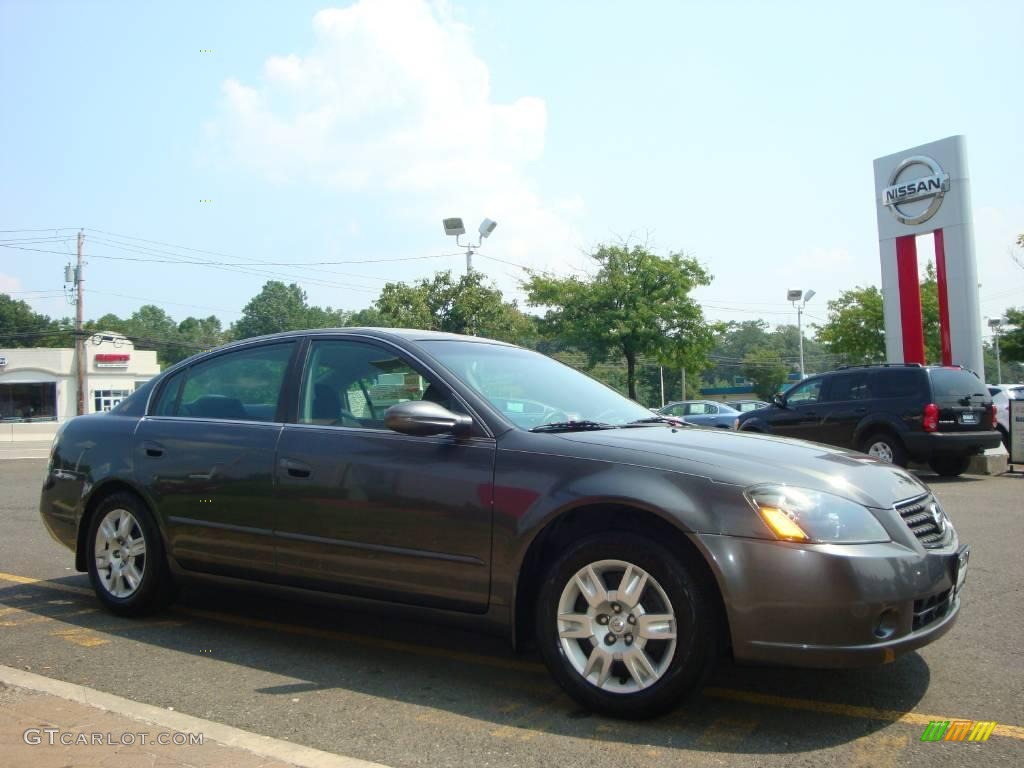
pixel 846 710
pixel 729 694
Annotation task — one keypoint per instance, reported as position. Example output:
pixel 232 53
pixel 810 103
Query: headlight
pixel 799 514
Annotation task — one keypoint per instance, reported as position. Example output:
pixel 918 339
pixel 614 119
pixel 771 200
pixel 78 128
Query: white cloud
pixel 393 99
pixel 9 283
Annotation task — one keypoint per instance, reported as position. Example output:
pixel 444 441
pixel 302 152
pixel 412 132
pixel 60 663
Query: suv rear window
pixel 955 383
pixel 897 382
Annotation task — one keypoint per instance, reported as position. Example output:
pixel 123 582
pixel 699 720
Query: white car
pixel 1001 396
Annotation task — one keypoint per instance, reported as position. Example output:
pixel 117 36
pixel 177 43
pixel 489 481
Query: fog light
pixel 886 627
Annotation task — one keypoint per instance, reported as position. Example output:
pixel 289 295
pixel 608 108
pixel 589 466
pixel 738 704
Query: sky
pixel 275 136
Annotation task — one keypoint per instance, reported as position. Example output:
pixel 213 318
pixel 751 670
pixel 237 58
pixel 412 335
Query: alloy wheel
pixel 616 626
pixel 882 451
pixel 120 551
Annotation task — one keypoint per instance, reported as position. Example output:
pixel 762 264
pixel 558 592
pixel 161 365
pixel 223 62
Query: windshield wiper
pixel 570 426
pixel 660 420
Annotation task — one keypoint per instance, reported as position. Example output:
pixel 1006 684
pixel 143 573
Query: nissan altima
pixel 465 480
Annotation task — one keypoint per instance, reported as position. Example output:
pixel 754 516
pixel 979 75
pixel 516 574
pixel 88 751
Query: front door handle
pixel 153 450
pixel 295 468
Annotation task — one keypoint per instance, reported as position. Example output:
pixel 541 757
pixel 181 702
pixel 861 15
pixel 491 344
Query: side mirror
pixel 423 418
pixel 779 401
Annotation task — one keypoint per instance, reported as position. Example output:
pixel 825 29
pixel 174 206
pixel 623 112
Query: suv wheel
pixel 624 626
pixel 950 466
pixel 885 447
pixel 126 559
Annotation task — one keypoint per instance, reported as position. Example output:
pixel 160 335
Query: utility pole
pixel 79 339
pixel 661 376
pixel 800 333
pixel 799 299
pixel 684 385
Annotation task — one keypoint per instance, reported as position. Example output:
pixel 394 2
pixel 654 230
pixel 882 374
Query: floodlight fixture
pixel 486 227
pixel 454 227
pixel 794 294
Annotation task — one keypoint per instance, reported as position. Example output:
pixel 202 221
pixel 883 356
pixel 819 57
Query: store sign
pixel 111 360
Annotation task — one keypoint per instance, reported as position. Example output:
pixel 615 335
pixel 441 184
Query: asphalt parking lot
pixel 408 694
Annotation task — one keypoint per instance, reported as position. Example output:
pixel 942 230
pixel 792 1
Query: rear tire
pixel 950 466
pixel 125 557
pixel 885 447
pixel 640 660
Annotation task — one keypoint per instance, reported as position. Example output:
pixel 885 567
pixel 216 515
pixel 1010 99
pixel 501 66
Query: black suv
pixel 898 413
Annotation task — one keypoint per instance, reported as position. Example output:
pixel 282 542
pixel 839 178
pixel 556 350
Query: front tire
pixel 125 554
pixel 625 626
pixel 950 466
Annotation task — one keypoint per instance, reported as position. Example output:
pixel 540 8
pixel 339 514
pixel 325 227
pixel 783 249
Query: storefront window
pixel 28 402
pixel 105 399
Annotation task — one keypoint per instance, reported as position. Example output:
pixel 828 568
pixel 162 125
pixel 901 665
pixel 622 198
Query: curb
pixel 262 746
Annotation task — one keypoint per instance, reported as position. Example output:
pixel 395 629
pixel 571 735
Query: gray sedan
pixel 703 413
pixel 472 482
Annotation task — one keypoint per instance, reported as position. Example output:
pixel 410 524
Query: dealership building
pixel 39 386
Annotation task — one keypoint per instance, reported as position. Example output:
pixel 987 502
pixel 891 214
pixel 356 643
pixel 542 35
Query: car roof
pixel 404 334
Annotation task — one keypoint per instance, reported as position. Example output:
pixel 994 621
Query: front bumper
pixel 827 605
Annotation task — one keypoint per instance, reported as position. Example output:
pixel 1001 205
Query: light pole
pixel 995 323
pixel 455 228
pixel 799 298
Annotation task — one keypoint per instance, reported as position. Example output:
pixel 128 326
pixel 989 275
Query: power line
pixel 244 271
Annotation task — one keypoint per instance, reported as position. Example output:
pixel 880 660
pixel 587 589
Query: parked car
pixel 747 405
pixel 897 413
pixel 1001 396
pixel 498 488
pixel 703 413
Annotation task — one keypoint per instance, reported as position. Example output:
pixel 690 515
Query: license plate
pixel 960 568
pixel 969 418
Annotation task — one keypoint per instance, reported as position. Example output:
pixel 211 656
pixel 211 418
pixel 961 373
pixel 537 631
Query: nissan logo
pixel 900 192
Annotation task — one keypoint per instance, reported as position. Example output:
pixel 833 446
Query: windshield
pixel 531 389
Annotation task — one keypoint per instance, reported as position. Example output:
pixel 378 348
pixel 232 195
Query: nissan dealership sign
pixel 925 191
pixel 907 186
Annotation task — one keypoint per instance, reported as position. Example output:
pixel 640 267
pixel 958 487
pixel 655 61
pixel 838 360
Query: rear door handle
pixel 295 468
pixel 153 450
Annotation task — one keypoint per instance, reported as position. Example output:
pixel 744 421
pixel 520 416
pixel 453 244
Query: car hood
pixel 745 458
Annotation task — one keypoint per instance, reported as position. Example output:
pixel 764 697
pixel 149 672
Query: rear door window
pixel 239 386
pixel 897 382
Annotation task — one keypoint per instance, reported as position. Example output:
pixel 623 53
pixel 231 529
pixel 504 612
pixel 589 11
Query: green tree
pixel 766 370
pixel 443 303
pixel 365 318
pixel 637 303
pixel 21 326
pixel 856 326
pixel 279 307
pixel 1011 340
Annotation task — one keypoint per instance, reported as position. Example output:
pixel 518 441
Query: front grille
pixel 933 608
pixel 917 514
